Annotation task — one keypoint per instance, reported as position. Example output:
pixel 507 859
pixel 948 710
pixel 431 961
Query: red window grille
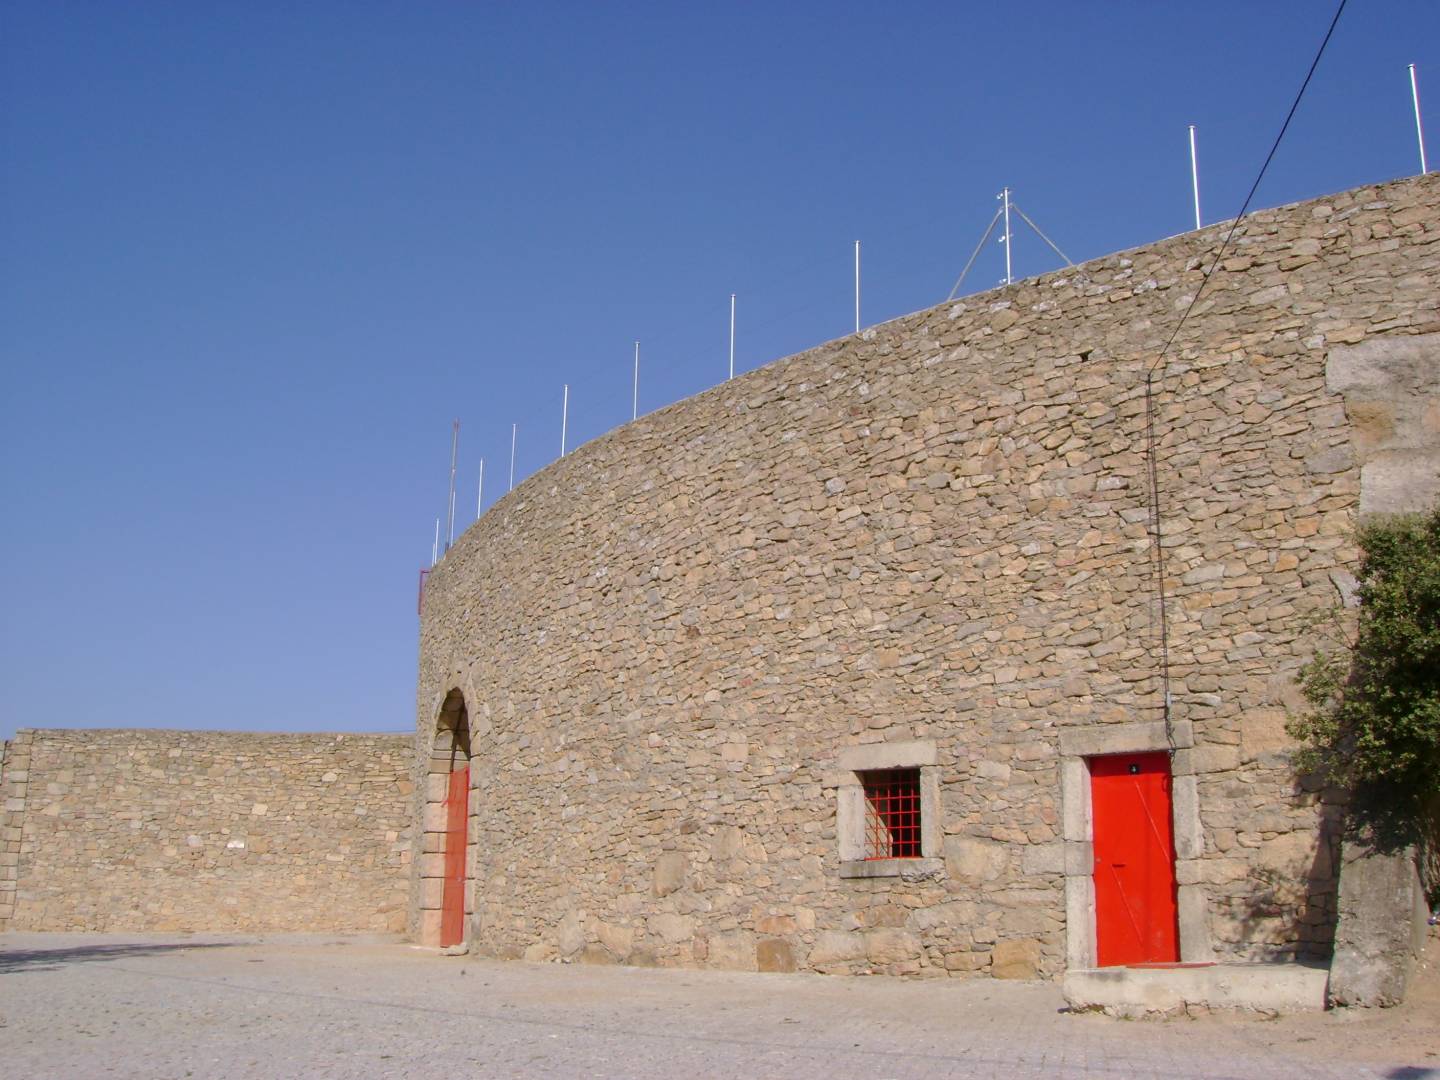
pixel 892 813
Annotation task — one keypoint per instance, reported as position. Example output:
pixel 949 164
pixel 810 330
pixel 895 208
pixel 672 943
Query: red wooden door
pixel 452 896
pixel 1135 915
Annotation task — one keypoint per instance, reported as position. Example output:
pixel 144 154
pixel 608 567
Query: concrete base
pixel 1138 991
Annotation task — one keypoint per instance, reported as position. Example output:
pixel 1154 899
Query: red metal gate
pixel 1135 912
pixel 452 896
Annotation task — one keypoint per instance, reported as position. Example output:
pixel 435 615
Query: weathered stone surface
pixel 1381 928
pixel 733 951
pixel 1015 959
pixel 672 640
pixel 891 946
pixel 1391 387
pixel 620 940
pixel 672 929
pixel 570 933
pixel 968 859
pixel 118 830
pixel 774 954
pixel 670 870
pixel 832 947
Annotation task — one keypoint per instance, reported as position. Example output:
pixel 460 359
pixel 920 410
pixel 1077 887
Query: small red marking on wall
pixel 452 896
pixel 1135 909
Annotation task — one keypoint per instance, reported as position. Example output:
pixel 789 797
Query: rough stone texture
pixel 938 530
pixel 1381 929
pixel 1391 387
pixel 183 830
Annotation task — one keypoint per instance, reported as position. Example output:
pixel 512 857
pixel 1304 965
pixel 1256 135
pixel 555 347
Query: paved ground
pixel 214 1006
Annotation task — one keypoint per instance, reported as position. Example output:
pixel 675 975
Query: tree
pixel 1374 720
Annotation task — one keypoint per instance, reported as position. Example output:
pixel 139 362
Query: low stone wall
pixel 112 830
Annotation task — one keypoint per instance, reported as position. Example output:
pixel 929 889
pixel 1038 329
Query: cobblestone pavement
pixel 220 1006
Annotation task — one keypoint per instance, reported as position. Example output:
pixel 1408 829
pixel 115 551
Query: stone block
pixel 891 946
pixel 669 873
pixel 733 951
pixel 671 928
pixel 1016 959
pixel 774 954
pixel 1046 858
pixel 972 860
pixel 618 939
pixel 1262 731
pixel 837 947
pixel 570 933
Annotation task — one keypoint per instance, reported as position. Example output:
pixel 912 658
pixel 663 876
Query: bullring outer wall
pixel 936 535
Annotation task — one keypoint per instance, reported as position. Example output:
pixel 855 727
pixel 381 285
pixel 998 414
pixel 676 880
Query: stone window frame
pixel 850 808
pixel 1077 747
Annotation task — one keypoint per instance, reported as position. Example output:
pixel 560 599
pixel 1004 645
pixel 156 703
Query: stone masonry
pixel 115 830
pixel 931 544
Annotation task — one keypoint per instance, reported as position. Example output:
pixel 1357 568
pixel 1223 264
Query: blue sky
pixel 258 256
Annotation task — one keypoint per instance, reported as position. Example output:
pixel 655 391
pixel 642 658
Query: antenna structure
pixel 635 386
pixel 1006 206
pixel 480 496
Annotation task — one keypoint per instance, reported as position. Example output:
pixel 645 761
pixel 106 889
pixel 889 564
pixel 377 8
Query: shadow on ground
pixel 14 960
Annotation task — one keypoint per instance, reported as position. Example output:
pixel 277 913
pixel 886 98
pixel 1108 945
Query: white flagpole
pixel 512 457
pixel 635 386
pixel 732 335
pixel 480 498
pixel 564 417
pixel 450 502
pixel 1419 129
pixel 435 547
pixel 857 286
pixel 1194 176
pixel 1005 194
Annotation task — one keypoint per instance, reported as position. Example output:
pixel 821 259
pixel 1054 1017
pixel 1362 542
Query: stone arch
pixel 449 756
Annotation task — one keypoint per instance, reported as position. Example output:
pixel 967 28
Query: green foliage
pixel 1374 721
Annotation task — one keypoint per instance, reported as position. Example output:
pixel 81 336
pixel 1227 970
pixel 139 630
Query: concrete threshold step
pixel 1168 988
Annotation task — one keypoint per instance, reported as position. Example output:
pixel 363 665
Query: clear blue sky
pixel 258 256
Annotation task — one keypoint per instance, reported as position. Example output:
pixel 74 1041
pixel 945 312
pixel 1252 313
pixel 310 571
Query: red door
pixel 452 896
pixel 1135 916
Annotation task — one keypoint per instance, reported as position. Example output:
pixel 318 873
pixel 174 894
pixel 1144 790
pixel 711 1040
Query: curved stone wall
pixel 928 545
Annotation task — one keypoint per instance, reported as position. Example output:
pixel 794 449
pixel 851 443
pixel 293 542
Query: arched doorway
pixel 447 816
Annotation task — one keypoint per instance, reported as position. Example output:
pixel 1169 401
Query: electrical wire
pixel 1253 187
pixel 1151 443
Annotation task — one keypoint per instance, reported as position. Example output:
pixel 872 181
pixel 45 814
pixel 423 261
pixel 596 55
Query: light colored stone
pixel 836 947
pixel 1015 959
pixel 774 954
pixel 891 946
pixel 669 874
pixel 570 933
pixel 971 860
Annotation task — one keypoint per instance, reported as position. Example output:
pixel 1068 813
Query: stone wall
pixel 930 540
pixel 114 830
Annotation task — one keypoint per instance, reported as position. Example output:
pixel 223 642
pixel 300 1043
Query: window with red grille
pixel 892 813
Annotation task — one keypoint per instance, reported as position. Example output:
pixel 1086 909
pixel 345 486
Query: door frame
pixel 1077 746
